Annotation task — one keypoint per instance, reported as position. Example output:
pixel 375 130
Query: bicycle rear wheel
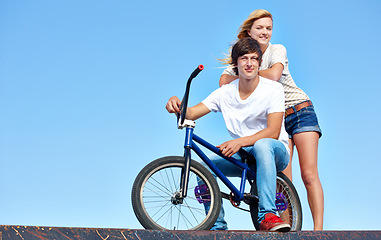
pixel 156 196
pixel 288 203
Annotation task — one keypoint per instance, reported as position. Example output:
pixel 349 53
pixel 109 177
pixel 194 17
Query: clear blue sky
pixel 83 85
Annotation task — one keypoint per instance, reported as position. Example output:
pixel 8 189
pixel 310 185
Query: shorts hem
pixel 306 129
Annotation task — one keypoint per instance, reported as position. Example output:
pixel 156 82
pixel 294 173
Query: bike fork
pixel 186 169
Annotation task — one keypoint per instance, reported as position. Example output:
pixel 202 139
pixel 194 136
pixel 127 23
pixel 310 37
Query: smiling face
pixel 248 65
pixel 261 30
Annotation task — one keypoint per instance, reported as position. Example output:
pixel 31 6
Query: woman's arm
pixel 273 73
pixel 226 79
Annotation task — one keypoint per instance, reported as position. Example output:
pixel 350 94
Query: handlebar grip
pixel 197 71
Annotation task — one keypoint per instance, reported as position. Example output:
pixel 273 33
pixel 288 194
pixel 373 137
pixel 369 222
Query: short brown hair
pixel 244 46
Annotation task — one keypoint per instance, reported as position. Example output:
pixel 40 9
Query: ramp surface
pixel 65 233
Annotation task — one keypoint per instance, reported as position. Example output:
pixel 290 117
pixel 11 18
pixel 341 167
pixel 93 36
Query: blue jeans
pixel 271 157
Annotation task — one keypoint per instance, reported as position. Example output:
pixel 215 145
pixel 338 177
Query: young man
pixel 253 109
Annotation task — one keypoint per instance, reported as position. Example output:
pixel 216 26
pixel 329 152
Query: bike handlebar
pixel 197 71
pixel 184 102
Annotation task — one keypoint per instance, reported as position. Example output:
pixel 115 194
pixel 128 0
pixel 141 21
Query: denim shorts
pixel 305 120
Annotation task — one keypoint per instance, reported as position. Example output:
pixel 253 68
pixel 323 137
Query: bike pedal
pixel 202 193
pixel 281 202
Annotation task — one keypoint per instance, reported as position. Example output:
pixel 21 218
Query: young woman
pixel 300 118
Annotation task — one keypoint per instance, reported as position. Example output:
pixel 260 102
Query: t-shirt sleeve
pixel 212 102
pixel 279 55
pixel 277 100
pixel 229 71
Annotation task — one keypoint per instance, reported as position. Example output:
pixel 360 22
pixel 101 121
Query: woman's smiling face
pixel 261 30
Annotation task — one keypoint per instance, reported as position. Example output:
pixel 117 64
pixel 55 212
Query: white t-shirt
pixel 247 117
pixel 276 53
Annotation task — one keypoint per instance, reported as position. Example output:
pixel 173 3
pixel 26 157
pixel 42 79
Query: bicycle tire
pixel 293 214
pixel 154 202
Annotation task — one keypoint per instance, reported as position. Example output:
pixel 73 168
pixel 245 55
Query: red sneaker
pixel 272 222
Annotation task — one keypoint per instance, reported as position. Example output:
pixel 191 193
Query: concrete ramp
pixel 65 233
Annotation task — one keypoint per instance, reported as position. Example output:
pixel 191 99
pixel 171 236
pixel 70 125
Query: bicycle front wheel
pixel 288 203
pixel 156 196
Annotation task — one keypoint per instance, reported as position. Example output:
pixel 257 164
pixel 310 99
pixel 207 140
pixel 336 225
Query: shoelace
pixel 272 219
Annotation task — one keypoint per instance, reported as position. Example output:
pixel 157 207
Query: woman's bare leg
pixel 288 170
pixel 307 146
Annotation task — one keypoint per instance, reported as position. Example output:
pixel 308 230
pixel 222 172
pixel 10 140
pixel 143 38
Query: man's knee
pixel 264 144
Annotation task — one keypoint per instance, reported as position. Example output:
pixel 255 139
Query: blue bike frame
pixel 190 139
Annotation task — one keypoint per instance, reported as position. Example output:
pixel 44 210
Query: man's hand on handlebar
pixel 173 105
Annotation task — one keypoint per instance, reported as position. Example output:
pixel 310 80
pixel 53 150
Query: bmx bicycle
pixel 170 192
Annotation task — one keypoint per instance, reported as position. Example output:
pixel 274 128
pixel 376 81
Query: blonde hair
pixel 248 23
pixel 245 28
